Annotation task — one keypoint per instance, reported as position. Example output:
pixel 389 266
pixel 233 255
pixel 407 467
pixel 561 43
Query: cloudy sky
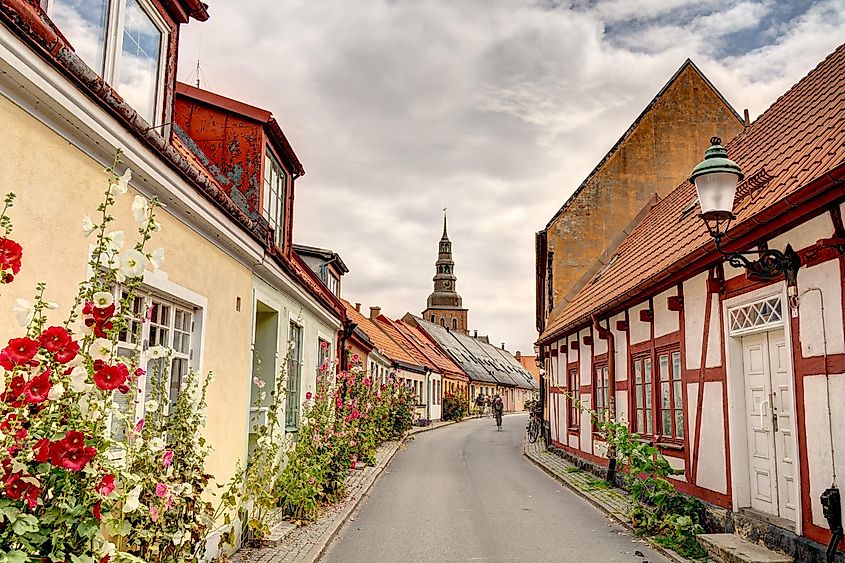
pixel 496 109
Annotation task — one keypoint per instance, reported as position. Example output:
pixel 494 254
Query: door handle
pixel 766 402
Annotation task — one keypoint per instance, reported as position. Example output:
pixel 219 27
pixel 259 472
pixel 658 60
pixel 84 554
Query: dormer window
pixel 122 41
pixel 334 283
pixel 273 199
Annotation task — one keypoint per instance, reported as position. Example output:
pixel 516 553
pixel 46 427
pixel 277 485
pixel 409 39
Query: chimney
pixel 358 307
pixel 475 334
pixel 375 312
pixel 518 355
pixel 747 118
pixel 503 345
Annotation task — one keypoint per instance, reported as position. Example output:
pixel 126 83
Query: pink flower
pixel 139 426
pixel 355 358
pixel 154 514
pixel 308 396
pixel 324 345
pixel 161 490
pixel 106 485
pixel 167 458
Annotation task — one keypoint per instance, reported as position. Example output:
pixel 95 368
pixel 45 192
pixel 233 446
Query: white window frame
pixel 278 222
pixel 113 48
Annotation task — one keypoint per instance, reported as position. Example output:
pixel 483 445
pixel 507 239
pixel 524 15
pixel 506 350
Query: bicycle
pixel 533 427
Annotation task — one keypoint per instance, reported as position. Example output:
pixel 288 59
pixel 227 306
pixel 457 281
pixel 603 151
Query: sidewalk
pixel 614 502
pixel 305 544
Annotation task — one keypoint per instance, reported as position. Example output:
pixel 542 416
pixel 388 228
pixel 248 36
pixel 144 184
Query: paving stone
pixel 730 548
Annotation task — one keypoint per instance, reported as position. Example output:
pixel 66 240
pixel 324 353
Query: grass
pixel 596 485
pixel 572 469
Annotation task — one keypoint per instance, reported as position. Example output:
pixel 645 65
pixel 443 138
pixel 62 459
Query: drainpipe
pixel 348 327
pixel 607 334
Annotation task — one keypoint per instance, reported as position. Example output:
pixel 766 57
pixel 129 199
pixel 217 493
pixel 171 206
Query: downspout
pixel 607 334
pixel 346 333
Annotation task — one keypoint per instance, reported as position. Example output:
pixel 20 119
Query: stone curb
pixel 601 506
pixel 320 548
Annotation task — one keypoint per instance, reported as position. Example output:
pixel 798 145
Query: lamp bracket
pixel 770 264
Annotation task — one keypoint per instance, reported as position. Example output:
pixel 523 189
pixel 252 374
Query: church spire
pixel 445 236
pixel 444 305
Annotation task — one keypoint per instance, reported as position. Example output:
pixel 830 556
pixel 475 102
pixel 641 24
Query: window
pixel 294 376
pixel 273 198
pixel 455 324
pixel 123 42
pixel 432 318
pixel 324 354
pixel 643 396
pixel 442 321
pixel 600 387
pixel 671 398
pixel 170 326
pixel 333 283
pixel 574 386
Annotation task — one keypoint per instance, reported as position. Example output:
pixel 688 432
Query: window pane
pixel 638 370
pixel 640 420
pixel 648 396
pixel 639 395
pixel 664 367
pixel 83 22
pixel 676 366
pixel 647 369
pixel 649 427
pixel 178 371
pixel 664 395
pixel 137 73
pixel 677 399
pixel 667 422
pixel 679 423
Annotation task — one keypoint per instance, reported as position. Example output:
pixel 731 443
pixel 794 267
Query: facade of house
pixel 736 380
pixel 327 264
pixel 70 97
pixel 653 156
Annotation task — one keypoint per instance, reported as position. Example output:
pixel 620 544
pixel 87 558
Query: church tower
pixel 444 306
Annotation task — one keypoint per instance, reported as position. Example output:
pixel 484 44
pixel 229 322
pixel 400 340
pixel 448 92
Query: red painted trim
pixel 671 339
pixel 801 426
pixel 622 385
pixel 815 365
pixel 682 331
pixel 699 403
pixel 726 435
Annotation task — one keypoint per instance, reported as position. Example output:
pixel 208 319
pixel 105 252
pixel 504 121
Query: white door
pixel 768 407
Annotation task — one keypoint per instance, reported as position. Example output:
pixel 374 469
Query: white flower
pixel 101 349
pixel 102 299
pixel 133 500
pixel 157 352
pixel 155 226
pixel 84 407
pixel 260 383
pixel 121 186
pixel 108 549
pixel 50 305
pixel 132 264
pixel 88 225
pixel 178 538
pixel 24 311
pixel 156 444
pixel 114 240
pixel 151 406
pixel 79 379
pixel 157 258
pixel 140 209
pixel 56 392
pixel 262 396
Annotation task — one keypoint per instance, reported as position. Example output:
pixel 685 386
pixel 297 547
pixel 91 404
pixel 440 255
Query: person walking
pixel 479 405
pixel 498 410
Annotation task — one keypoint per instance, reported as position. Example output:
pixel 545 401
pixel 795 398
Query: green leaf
pixel 14 557
pixel 81 559
pixel 25 523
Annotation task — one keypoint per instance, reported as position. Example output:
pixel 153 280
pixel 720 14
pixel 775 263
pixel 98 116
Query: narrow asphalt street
pixel 466 493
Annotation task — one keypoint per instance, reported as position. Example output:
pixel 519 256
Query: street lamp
pixel 715 179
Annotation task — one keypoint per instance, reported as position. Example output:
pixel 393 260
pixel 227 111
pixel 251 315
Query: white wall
pixel 695 301
pixel 818 436
pixel 826 277
pixel 665 321
pixel 640 331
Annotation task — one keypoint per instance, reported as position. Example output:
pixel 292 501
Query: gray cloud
pixel 496 108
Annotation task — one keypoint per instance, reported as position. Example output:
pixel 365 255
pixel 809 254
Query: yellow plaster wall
pixel 657 156
pixel 56 184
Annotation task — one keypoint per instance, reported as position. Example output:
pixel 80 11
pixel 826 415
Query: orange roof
pixel 793 152
pixel 399 339
pixel 383 343
pixel 444 364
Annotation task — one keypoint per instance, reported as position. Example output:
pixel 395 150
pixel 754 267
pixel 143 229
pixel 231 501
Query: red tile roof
pixel 444 365
pixel 791 156
pixel 383 343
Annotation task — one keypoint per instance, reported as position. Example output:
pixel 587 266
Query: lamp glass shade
pixel 716 192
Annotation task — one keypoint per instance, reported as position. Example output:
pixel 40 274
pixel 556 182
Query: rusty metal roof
pixel 795 149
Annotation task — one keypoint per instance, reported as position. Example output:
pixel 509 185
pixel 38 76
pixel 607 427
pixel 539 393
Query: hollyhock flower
pixel 131 265
pixel 308 396
pixel 161 490
pixel 67 353
pixel 24 311
pixel 100 314
pixel 167 458
pixel 88 225
pixel 14 390
pixel 79 379
pixel 110 378
pixel 139 426
pixel 76 460
pixel 10 255
pixel 156 444
pixel 158 352
pixel 54 338
pixel 102 299
pixel 154 514
pixel 56 392
pixel 73 440
pixel 121 185
pixel 96 512
pixel 139 372
pixel 355 358
pixel 140 209
pixel 38 388
pixel 106 485
pixel 42 450
pixel 114 240
pixel 21 350
pixel 157 258
pixel 101 349
pixel 151 406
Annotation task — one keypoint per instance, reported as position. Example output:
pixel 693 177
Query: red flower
pixel 106 485
pixel 75 460
pixel 32 496
pixel 10 255
pixel 21 434
pixel 105 559
pixel 102 314
pixel 42 450
pixel 110 378
pixel 21 350
pixel 37 389
pixel 5 362
pixel 54 338
pixel 308 396
pixel 67 352
pixel 95 510
pixel 14 390
pixel 74 440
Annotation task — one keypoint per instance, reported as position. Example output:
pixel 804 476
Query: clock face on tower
pixel 447 284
